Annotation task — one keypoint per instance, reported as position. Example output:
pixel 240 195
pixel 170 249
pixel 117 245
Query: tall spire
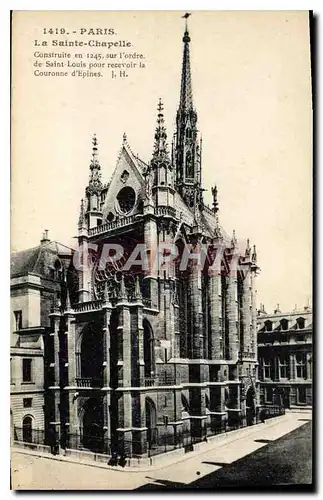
pixel 186 97
pixel 187 151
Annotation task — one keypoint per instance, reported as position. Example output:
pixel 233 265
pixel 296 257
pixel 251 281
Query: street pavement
pixel 276 452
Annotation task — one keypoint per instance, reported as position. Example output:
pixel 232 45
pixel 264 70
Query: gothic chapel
pixel 148 356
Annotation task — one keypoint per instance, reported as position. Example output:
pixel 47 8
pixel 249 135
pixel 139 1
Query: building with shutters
pixel 285 357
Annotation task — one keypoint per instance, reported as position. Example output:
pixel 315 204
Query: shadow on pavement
pixel 159 484
pixel 218 464
pixel 285 462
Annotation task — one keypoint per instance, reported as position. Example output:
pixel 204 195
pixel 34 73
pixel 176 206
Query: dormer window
pixel 58 271
pixel 284 324
pixel 300 322
pixel 268 326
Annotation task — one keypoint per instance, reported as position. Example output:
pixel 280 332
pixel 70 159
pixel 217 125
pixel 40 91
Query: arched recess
pixel 149 349
pixel 151 421
pixel 92 425
pixel 27 429
pixel 90 354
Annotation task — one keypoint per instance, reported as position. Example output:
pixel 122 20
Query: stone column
pixel 140 339
pixel 55 421
pixel 232 315
pixel 151 243
pixel 246 312
pixel 70 332
pixel 253 334
pixel 215 314
pixel 74 424
pixel 195 290
pixel 309 365
pixel 81 263
pixel 139 432
pixel 125 406
pixel 107 308
pixel 292 366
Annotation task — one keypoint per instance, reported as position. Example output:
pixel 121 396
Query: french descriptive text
pixel 88 58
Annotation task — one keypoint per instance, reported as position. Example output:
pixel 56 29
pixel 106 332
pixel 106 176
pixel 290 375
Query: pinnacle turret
pixel 95 184
pixel 160 146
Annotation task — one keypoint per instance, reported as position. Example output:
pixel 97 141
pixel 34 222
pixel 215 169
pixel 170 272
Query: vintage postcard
pixel 161 239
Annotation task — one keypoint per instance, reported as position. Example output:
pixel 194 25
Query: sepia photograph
pixel 161 250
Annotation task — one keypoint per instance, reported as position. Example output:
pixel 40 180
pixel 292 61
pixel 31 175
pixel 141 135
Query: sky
pixel 252 91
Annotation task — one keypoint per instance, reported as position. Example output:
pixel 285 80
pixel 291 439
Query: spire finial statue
pixel 254 255
pixel 248 249
pixel 214 191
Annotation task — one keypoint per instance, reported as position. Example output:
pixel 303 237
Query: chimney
pixel 45 238
pixel 277 310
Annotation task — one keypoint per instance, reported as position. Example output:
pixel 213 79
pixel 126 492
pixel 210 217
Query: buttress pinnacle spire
pixel 82 215
pixel 160 146
pixel 95 183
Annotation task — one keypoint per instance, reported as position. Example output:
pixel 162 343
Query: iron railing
pixel 88 382
pixel 109 226
pixel 29 435
pixel 158 440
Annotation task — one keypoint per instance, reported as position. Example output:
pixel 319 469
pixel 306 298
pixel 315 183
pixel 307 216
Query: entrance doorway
pixel 27 430
pixel 92 430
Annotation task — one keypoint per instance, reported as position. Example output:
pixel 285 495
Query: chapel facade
pixel 146 353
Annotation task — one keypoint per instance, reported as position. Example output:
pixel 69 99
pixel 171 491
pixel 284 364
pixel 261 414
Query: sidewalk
pixel 270 430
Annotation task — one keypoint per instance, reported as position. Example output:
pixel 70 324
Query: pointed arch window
pixel 149 351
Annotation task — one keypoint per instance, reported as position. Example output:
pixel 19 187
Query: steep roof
pixel 32 259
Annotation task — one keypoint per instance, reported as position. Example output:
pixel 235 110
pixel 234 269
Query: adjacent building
pixel 36 281
pixel 285 357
